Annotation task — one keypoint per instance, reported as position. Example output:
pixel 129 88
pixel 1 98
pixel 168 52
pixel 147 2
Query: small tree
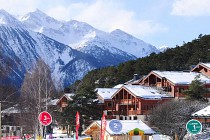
pixel 196 90
pixel 35 92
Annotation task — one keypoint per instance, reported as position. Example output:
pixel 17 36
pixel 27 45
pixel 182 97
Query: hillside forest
pixel 179 58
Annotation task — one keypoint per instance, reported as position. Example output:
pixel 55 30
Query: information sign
pixel 115 125
pixel 194 126
pixel 45 118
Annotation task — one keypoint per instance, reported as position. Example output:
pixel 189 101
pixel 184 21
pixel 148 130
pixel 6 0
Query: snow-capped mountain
pixel 81 36
pixel 163 48
pixel 25 48
pixel 71 49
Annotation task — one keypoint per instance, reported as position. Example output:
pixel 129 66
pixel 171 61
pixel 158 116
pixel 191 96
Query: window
pixel 135 117
pixel 109 104
pixel 169 89
pixel 205 69
pixel 180 89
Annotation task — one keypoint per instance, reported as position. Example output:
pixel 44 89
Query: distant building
pixel 11 122
pixel 62 103
pixel 203 116
pixel 129 102
pixel 94 128
pixel 173 82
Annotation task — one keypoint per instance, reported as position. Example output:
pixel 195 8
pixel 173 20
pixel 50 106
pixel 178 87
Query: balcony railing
pixel 125 102
pixel 126 113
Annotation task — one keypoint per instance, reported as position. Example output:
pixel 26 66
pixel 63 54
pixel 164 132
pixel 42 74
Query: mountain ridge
pixel 36 35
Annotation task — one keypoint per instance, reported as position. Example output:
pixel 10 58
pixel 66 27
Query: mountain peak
pixel 38 20
pixel 2 11
pixel 7 19
pixel 37 14
pixel 119 32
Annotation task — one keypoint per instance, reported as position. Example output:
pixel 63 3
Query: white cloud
pixel 191 8
pixel 18 6
pixel 107 15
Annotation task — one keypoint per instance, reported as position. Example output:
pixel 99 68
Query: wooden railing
pixel 125 102
pixel 126 113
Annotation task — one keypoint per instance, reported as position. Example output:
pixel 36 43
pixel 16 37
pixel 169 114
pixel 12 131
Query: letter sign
pixel 45 118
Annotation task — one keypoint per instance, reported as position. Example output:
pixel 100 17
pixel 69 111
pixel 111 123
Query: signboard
pixel 45 118
pixel 115 125
pixel 194 126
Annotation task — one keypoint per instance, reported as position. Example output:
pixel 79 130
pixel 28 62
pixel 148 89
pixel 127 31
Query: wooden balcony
pixel 64 104
pixel 125 102
pixel 127 113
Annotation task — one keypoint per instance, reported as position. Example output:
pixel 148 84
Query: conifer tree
pixel 86 103
pixel 196 90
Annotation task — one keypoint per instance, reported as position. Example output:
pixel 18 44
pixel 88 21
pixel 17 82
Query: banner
pixel 77 124
pixel 103 126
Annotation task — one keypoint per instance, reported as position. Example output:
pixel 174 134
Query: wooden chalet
pixel 62 103
pixel 173 82
pixel 203 116
pixel 105 101
pixel 203 68
pixel 130 102
pixel 93 130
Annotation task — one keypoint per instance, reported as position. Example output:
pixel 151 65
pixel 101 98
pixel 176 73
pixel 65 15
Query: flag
pixel 77 124
pixel 103 126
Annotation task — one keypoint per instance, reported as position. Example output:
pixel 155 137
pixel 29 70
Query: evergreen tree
pixel 86 103
pixel 196 89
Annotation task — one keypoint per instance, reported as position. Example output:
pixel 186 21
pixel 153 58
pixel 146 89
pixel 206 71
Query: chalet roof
pixel 67 95
pixel 106 93
pixel 11 110
pixel 53 102
pixel 118 86
pixel 127 125
pixel 207 65
pixel 180 77
pixel 142 92
pixel 145 92
pixel 133 81
pixel 202 113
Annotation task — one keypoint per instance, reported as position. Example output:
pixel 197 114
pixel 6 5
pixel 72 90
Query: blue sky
pixel 158 22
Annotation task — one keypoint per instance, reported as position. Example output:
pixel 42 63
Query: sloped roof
pixel 127 125
pixel 106 93
pixel 207 65
pixel 203 112
pixel 11 110
pixel 53 102
pixel 143 92
pixel 180 77
pixel 118 86
pixel 67 95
